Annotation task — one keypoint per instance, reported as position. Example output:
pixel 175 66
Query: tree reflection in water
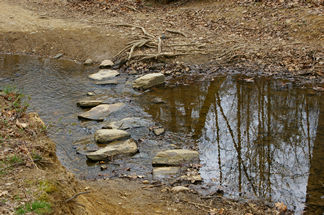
pixel 254 139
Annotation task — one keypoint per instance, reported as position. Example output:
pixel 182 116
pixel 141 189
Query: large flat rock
pixel 148 81
pixel 128 123
pixel 109 135
pixel 100 112
pixel 165 172
pixel 104 74
pixel 127 147
pixel 175 157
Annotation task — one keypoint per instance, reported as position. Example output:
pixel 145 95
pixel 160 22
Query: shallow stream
pixel 260 139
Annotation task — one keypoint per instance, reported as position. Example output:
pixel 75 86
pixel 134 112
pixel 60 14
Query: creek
pixel 260 140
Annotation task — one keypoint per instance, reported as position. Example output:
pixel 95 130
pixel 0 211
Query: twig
pixel 135 26
pixel 160 45
pixel 76 195
pixel 176 32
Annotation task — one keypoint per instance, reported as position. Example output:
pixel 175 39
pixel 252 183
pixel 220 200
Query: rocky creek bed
pixel 183 136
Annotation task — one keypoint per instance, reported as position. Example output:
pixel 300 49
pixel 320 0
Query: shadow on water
pixel 256 140
pixel 261 139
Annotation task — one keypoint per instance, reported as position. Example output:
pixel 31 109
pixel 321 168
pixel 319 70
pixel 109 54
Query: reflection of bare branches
pixel 218 100
pixel 209 99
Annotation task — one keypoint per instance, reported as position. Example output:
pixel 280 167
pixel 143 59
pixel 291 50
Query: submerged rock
pixel 148 81
pixel 107 82
pixel 109 135
pixel 106 64
pixel 87 103
pixel 165 172
pixel 104 74
pixel 175 157
pixel 99 112
pixel 127 147
pixel 127 123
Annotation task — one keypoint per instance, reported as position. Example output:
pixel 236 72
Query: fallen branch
pixel 160 45
pixel 176 32
pixel 76 195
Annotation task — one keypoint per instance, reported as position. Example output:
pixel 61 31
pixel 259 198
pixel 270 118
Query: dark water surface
pixel 261 139
pixel 256 140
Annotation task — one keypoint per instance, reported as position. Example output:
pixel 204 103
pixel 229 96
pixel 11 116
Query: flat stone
pixel 158 131
pixel 127 147
pixel 165 172
pixel 178 189
pixel 107 82
pixel 191 178
pixel 175 157
pixel 104 74
pixel 127 123
pixel 148 81
pixel 99 112
pixel 88 62
pixel 109 135
pixel 88 103
pixel 106 64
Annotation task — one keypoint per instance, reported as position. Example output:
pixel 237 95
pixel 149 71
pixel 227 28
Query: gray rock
pixel 175 157
pixel 106 64
pixel 84 141
pixel 88 62
pixel 87 103
pixel 107 82
pixel 104 74
pixel 127 123
pixel 127 147
pixel 148 81
pixel 165 172
pixel 99 112
pixel 158 131
pixel 109 135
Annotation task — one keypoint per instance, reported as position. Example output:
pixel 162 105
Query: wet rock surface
pixel 175 157
pixel 165 172
pixel 108 135
pixel 104 74
pixel 127 123
pixel 127 147
pixel 100 112
pixel 148 81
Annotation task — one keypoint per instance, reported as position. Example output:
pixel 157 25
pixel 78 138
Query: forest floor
pixel 284 40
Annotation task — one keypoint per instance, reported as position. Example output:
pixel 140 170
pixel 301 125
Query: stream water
pixel 256 140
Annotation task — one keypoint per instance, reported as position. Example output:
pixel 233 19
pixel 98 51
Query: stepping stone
pixel 165 172
pixel 148 81
pixel 175 157
pixel 127 123
pixel 88 103
pixel 127 147
pixel 106 64
pixel 104 74
pixel 100 112
pixel 109 135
